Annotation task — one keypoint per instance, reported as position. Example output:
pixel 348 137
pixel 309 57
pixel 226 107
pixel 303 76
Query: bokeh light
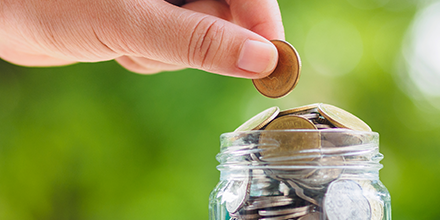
pixel 422 55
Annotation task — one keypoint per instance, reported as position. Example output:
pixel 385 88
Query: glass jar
pixel 330 174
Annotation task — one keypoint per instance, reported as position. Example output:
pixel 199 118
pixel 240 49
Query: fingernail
pixel 257 57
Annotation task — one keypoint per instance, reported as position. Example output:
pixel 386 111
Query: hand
pixel 228 37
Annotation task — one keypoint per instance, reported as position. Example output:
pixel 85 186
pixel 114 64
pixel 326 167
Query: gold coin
pixel 300 110
pixel 286 74
pixel 288 144
pixel 341 118
pixel 290 122
pixel 259 120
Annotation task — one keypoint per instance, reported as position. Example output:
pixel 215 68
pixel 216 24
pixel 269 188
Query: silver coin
pixel 262 185
pixel 284 189
pixel 284 211
pixel 376 203
pixel 310 116
pixel 300 192
pixel 237 192
pixel 344 201
pixel 343 137
pixel 285 217
pixel 324 175
pixel 268 202
pixel 246 216
pixel 312 108
pixel 323 126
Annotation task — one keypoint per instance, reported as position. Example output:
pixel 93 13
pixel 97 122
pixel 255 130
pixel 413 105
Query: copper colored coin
pixel 287 144
pixel 286 74
pixel 290 122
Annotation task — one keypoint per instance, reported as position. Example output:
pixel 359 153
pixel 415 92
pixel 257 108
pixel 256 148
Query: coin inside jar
pixel 344 201
pixel 259 120
pixel 288 143
pixel 300 110
pixel 341 118
pixel 286 74
pixel 237 193
pixel 298 162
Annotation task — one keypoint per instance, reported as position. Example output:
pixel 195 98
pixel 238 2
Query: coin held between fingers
pixel 286 74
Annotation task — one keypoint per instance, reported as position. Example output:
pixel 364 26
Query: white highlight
pixel 423 51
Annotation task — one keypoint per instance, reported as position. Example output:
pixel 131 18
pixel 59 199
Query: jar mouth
pixel 300 149
pixel 332 130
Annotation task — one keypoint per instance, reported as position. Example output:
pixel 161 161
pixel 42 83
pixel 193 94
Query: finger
pixel 215 8
pixel 174 35
pixel 28 59
pixel 260 16
pixel 145 66
pixel 132 66
pixel 154 64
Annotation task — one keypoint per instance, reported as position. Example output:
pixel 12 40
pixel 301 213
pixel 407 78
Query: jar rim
pixel 306 148
pixel 332 130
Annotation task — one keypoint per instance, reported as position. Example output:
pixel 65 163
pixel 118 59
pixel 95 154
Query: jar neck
pixel 352 154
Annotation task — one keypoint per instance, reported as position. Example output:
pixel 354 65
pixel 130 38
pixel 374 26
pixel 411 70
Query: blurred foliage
pixel 93 141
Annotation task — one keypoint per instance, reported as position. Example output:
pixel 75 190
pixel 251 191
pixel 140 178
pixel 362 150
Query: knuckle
pixel 205 43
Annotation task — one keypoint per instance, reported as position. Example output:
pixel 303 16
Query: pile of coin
pixel 311 187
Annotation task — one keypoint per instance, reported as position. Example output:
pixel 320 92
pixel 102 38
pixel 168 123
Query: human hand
pixel 227 37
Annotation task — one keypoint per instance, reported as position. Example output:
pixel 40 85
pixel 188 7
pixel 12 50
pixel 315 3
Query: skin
pixel 144 36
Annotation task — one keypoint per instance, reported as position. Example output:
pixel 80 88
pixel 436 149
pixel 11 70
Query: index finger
pixel 260 16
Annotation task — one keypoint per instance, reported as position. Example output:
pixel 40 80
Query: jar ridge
pixel 358 152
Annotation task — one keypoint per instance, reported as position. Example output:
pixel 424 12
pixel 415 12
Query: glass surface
pixel 300 174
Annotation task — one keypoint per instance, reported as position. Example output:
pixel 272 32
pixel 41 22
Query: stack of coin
pixel 316 192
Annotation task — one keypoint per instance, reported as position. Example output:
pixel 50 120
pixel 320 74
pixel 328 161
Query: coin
pixel 246 215
pixel 290 122
pixel 297 169
pixel 236 193
pixel 288 144
pixel 342 118
pixel 323 126
pixel 300 110
pixel 377 206
pixel 259 120
pixel 300 192
pixel 287 217
pixel 269 202
pixel 325 174
pixel 283 211
pixel 344 201
pixel 342 137
pixel 286 74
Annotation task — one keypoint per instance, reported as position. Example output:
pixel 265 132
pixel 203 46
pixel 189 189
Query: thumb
pixel 170 34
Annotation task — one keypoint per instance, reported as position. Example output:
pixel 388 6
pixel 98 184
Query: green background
pixel 94 141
